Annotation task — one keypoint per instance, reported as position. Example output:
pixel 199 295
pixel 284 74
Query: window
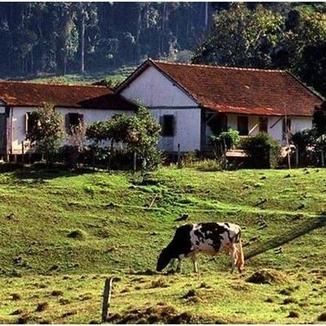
pixel 72 120
pixel 168 125
pixel 243 125
pixel 286 128
pixel 30 122
pixel 263 124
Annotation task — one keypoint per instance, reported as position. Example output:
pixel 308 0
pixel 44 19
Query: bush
pixel 225 141
pixel 138 133
pixel 303 140
pixel 263 151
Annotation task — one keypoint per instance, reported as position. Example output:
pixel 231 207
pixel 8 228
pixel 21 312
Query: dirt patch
pixel 156 314
pixel 267 276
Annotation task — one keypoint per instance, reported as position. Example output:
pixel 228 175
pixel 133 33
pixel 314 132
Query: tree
pixel 241 37
pixel 47 131
pixel 319 119
pixel 139 133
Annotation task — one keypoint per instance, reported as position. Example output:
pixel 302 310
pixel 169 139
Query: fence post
pixel 322 158
pixel 106 298
pixel 179 157
pixel 297 156
pixel 23 152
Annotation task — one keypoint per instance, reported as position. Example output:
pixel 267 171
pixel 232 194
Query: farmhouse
pixel 191 101
pixel 76 103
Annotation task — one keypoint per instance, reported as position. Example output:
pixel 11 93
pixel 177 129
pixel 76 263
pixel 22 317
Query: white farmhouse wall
pixel 275 125
pixel 253 126
pixel 300 123
pixel 275 128
pixel 187 129
pixel 18 114
pixel 153 89
pixel 158 93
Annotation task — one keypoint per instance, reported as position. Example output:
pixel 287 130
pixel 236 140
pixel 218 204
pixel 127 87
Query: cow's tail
pixel 240 259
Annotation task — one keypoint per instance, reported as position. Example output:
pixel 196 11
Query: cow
pixel 209 238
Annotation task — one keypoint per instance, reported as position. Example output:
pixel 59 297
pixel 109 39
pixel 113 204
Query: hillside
pixel 63 233
pixel 113 77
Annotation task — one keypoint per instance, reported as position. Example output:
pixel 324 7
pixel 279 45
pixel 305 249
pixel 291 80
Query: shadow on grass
pixel 39 172
pixel 300 230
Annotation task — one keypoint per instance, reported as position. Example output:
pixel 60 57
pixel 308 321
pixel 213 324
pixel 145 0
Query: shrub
pixel 263 151
pixel 46 131
pixel 139 133
pixel 302 140
pixel 225 141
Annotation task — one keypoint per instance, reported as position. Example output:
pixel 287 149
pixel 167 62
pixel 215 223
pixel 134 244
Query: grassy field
pixel 114 77
pixel 63 233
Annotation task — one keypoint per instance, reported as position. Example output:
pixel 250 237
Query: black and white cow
pixel 208 238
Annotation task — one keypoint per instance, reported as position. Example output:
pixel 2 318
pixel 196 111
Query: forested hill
pixel 63 38
pixel 72 37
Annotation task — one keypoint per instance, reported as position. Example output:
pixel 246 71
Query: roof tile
pixel 242 90
pixel 73 96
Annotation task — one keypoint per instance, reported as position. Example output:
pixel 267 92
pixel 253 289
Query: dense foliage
pixel 70 37
pixel 138 133
pixel 46 131
pixel 224 141
pixel 263 151
pixel 288 37
pixel 39 38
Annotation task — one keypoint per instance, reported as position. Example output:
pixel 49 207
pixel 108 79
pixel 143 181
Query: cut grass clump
pixel 267 276
pixel 15 296
pixel 41 306
pixel 77 234
pixel 293 314
pixel 158 314
pixel 322 317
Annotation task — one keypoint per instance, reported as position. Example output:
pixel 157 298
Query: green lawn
pixel 114 77
pixel 63 233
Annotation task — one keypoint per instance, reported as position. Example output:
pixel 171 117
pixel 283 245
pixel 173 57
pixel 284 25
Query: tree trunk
pixel 82 43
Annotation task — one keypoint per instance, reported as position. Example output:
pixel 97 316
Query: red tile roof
pixel 238 90
pixel 14 93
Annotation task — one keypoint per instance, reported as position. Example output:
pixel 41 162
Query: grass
pixel 114 77
pixel 63 233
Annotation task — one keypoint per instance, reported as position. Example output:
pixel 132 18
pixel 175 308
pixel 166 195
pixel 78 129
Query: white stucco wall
pixel 153 89
pixel 301 123
pixel 275 125
pixel 158 93
pixel 17 118
pixel 253 126
pixel 187 129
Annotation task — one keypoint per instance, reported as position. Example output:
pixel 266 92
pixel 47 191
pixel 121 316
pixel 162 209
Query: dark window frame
pixel 168 125
pixel 29 122
pixel 72 120
pixel 263 124
pixel 243 130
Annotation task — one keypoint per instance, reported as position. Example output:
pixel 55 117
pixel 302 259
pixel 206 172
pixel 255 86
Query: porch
pixel 213 123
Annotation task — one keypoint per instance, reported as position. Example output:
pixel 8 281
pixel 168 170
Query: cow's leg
pixel 194 261
pixel 233 252
pixel 171 265
pixel 240 258
pixel 179 266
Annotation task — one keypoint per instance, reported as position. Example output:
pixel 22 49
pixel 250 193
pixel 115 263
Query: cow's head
pixel 163 260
